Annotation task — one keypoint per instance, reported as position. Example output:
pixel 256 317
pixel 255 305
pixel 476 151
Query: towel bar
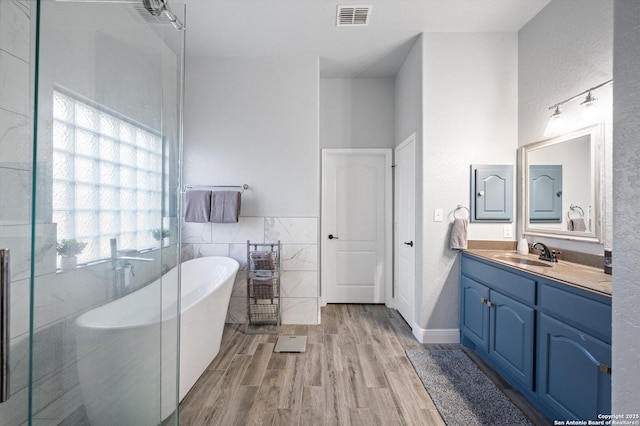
pixel 577 209
pixel 461 207
pixel 243 187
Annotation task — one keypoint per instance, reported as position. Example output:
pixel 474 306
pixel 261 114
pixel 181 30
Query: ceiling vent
pixel 353 16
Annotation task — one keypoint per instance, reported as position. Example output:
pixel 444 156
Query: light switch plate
pixel 506 232
pixel 437 215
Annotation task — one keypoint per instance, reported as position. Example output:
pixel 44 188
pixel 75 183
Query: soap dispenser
pixel 523 246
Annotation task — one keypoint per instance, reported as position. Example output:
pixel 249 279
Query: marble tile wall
pixel 15 27
pixel 299 239
pixel 16 147
pixel 16 150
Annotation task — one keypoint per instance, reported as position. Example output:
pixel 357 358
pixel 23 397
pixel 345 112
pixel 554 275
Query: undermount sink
pixel 512 258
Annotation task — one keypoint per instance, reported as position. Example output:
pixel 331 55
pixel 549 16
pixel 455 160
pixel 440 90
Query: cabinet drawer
pixel 579 311
pixel 514 285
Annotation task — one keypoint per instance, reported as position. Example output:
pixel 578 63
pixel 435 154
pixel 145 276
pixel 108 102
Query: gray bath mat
pixel 461 392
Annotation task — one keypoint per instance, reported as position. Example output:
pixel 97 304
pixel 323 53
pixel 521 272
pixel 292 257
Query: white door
pixel 405 221
pixel 356 225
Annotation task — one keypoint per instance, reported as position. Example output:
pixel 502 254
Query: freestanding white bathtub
pixel 126 350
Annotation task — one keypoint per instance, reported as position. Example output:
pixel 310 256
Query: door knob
pixel 410 244
pixel 331 237
pixel 480 194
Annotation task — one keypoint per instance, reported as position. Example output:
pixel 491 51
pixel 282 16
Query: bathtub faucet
pixel 123 270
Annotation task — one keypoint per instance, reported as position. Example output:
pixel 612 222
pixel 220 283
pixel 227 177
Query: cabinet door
pixel 492 197
pixel 474 313
pixel 573 377
pixel 511 331
pixel 545 193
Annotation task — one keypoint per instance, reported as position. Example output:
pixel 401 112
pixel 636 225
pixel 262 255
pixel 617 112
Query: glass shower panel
pixel 16 149
pixel 104 322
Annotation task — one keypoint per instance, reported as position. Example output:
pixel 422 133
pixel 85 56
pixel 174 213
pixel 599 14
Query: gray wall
pixel 408 120
pixel 470 117
pixel 626 178
pixel 458 93
pixel 564 50
pixel 357 113
pixel 256 121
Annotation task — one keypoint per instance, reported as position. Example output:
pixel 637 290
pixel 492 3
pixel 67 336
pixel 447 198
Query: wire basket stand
pixel 263 287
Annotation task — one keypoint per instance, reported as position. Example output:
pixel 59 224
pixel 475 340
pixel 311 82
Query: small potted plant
pixel 68 250
pixel 161 234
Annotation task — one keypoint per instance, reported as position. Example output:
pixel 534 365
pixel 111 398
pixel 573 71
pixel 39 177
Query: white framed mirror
pixel 562 186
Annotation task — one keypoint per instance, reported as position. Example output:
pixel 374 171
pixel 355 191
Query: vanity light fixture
pixel 557 123
pixel 589 114
pixel 589 111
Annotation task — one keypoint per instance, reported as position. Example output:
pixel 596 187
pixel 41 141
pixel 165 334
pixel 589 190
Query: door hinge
pixel 605 368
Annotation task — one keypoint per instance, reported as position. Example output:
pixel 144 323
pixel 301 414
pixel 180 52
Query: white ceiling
pixel 307 28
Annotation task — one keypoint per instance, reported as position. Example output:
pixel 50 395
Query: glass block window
pixel 107 178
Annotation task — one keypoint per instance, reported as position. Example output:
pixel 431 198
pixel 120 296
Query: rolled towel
pixel 261 260
pixel 225 206
pixel 262 288
pixel 458 239
pixel 578 225
pixel 197 206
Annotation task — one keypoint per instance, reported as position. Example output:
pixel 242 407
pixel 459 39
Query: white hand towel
pixel 458 240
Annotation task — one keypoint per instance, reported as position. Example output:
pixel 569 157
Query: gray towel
pixel 197 206
pixel 578 225
pixel 261 260
pixel 458 240
pixel 225 206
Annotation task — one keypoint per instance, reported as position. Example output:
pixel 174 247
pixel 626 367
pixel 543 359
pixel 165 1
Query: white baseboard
pixel 447 335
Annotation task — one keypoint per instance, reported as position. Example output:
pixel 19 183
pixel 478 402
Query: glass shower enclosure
pixel 90 146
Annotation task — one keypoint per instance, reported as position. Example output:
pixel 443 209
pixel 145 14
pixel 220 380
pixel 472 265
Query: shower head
pixel 161 11
pixel 154 7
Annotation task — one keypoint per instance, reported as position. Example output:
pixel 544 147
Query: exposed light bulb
pixel 589 112
pixel 557 123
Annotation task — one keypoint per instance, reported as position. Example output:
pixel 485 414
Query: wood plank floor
pixel 354 372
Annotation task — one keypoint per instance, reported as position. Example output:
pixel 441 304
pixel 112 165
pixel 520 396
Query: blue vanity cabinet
pixel 550 340
pixel 574 353
pixel 498 325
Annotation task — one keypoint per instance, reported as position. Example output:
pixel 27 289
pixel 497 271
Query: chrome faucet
pixel 123 270
pixel 545 253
